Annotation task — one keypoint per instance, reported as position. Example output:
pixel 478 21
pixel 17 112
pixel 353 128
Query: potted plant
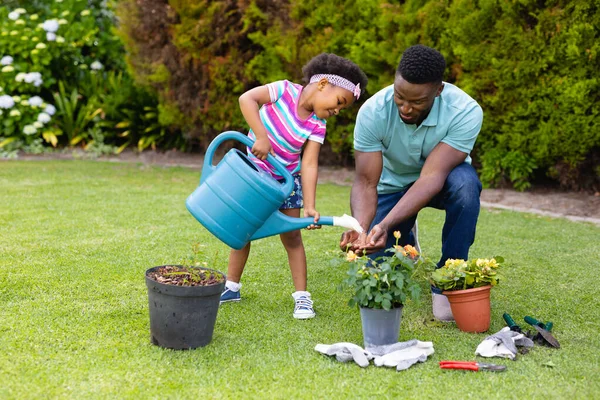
pixel 381 287
pixel 183 301
pixel 467 285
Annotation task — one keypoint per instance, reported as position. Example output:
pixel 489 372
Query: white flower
pixel 38 125
pixel 6 101
pixel 8 68
pixel 50 25
pixel 32 77
pixel 96 65
pixel 21 11
pixel 24 103
pixel 43 117
pixel 14 15
pixel 50 110
pixel 60 39
pixel 20 77
pixel 16 98
pixel 14 113
pixel 85 13
pixel 33 17
pixel 35 101
pixel 19 22
pixel 40 46
pixel 62 21
pixel 51 37
pixel 6 60
pixel 29 130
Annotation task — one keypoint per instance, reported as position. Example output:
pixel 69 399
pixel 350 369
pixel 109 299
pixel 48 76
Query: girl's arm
pixel 310 174
pixel 250 103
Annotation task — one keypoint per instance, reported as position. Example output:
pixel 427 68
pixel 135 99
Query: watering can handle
pixel 208 166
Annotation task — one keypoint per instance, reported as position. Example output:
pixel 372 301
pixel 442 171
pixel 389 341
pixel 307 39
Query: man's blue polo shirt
pixel 455 119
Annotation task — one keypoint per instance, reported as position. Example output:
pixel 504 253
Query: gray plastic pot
pixel 182 317
pixel 380 327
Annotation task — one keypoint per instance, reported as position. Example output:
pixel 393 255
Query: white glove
pixel 345 352
pixel 347 221
pixel 503 344
pixel 402 355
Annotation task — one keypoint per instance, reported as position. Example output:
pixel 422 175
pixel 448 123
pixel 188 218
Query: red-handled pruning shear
pixel 472 365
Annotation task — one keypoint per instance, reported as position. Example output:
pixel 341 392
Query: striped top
pixel 286 130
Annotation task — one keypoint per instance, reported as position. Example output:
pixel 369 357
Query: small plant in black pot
pixel 184 301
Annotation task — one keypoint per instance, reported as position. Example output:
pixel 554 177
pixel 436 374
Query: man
pixel 412 142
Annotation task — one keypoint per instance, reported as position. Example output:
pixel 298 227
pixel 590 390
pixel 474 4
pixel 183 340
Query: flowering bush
pixel 461 274
pixel 38 47
pixel 388 281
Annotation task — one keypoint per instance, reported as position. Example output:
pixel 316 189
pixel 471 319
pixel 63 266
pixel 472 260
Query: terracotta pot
pixel 470 308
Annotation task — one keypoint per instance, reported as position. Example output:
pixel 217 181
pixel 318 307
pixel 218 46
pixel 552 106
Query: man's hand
pixel 311 212
pixel 352 240
pixel 375 240
pixel 261 148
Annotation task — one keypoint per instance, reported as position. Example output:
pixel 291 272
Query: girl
pixel 286 119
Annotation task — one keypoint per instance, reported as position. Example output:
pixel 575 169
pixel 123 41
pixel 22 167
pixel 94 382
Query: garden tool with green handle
pixel 543 331
pixel 511 323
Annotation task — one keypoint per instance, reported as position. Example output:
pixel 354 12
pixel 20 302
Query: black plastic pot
pixel 182 317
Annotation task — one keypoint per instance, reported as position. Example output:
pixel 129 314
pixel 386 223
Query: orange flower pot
pixel 470 308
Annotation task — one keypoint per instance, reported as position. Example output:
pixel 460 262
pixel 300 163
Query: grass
pixel 77 236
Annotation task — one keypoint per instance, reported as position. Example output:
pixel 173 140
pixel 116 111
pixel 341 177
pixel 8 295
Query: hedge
pixel 532 65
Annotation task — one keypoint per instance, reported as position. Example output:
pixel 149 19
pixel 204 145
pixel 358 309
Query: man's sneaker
pixel 229 295
pixel 441 306
pixel 304 306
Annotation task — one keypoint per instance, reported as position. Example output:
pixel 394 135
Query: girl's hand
pixel 262 147
pixel 311 212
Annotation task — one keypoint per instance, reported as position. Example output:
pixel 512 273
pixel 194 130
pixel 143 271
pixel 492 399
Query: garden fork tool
pixel 472 366
pixel 544 331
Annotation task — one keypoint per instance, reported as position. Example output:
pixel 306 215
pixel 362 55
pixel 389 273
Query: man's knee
pixel 463 185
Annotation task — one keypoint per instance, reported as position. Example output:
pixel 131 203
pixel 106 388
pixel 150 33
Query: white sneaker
pixel 304 306
pixel 441 308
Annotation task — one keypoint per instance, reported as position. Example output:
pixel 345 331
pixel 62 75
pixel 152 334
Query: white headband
pixel 338 81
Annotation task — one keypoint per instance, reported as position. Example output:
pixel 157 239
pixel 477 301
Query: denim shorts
pixel 295 199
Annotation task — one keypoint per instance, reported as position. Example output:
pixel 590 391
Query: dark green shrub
pixel 532 65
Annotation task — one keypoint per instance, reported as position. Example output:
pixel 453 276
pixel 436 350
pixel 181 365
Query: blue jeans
pixel 459 197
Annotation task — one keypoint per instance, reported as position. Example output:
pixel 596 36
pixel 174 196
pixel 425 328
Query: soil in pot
pixel 183 306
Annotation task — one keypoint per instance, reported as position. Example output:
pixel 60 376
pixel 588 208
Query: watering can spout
pixel 278 223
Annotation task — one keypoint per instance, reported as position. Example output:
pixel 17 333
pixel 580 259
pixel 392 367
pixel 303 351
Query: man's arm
pixel 438 165
pixel 363 196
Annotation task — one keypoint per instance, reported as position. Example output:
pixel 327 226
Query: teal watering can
pixel 239 202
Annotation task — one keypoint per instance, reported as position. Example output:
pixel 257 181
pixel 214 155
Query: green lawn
pixel 77 236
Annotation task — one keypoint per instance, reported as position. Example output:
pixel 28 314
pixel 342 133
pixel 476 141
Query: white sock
pixel 233 286
pixel 299 293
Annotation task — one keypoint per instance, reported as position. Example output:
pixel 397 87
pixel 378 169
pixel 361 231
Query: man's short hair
pixel 422 64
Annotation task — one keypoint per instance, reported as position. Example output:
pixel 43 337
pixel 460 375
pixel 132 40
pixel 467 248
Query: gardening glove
pixel 345 352
pixel 503 344
pixel 402 355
